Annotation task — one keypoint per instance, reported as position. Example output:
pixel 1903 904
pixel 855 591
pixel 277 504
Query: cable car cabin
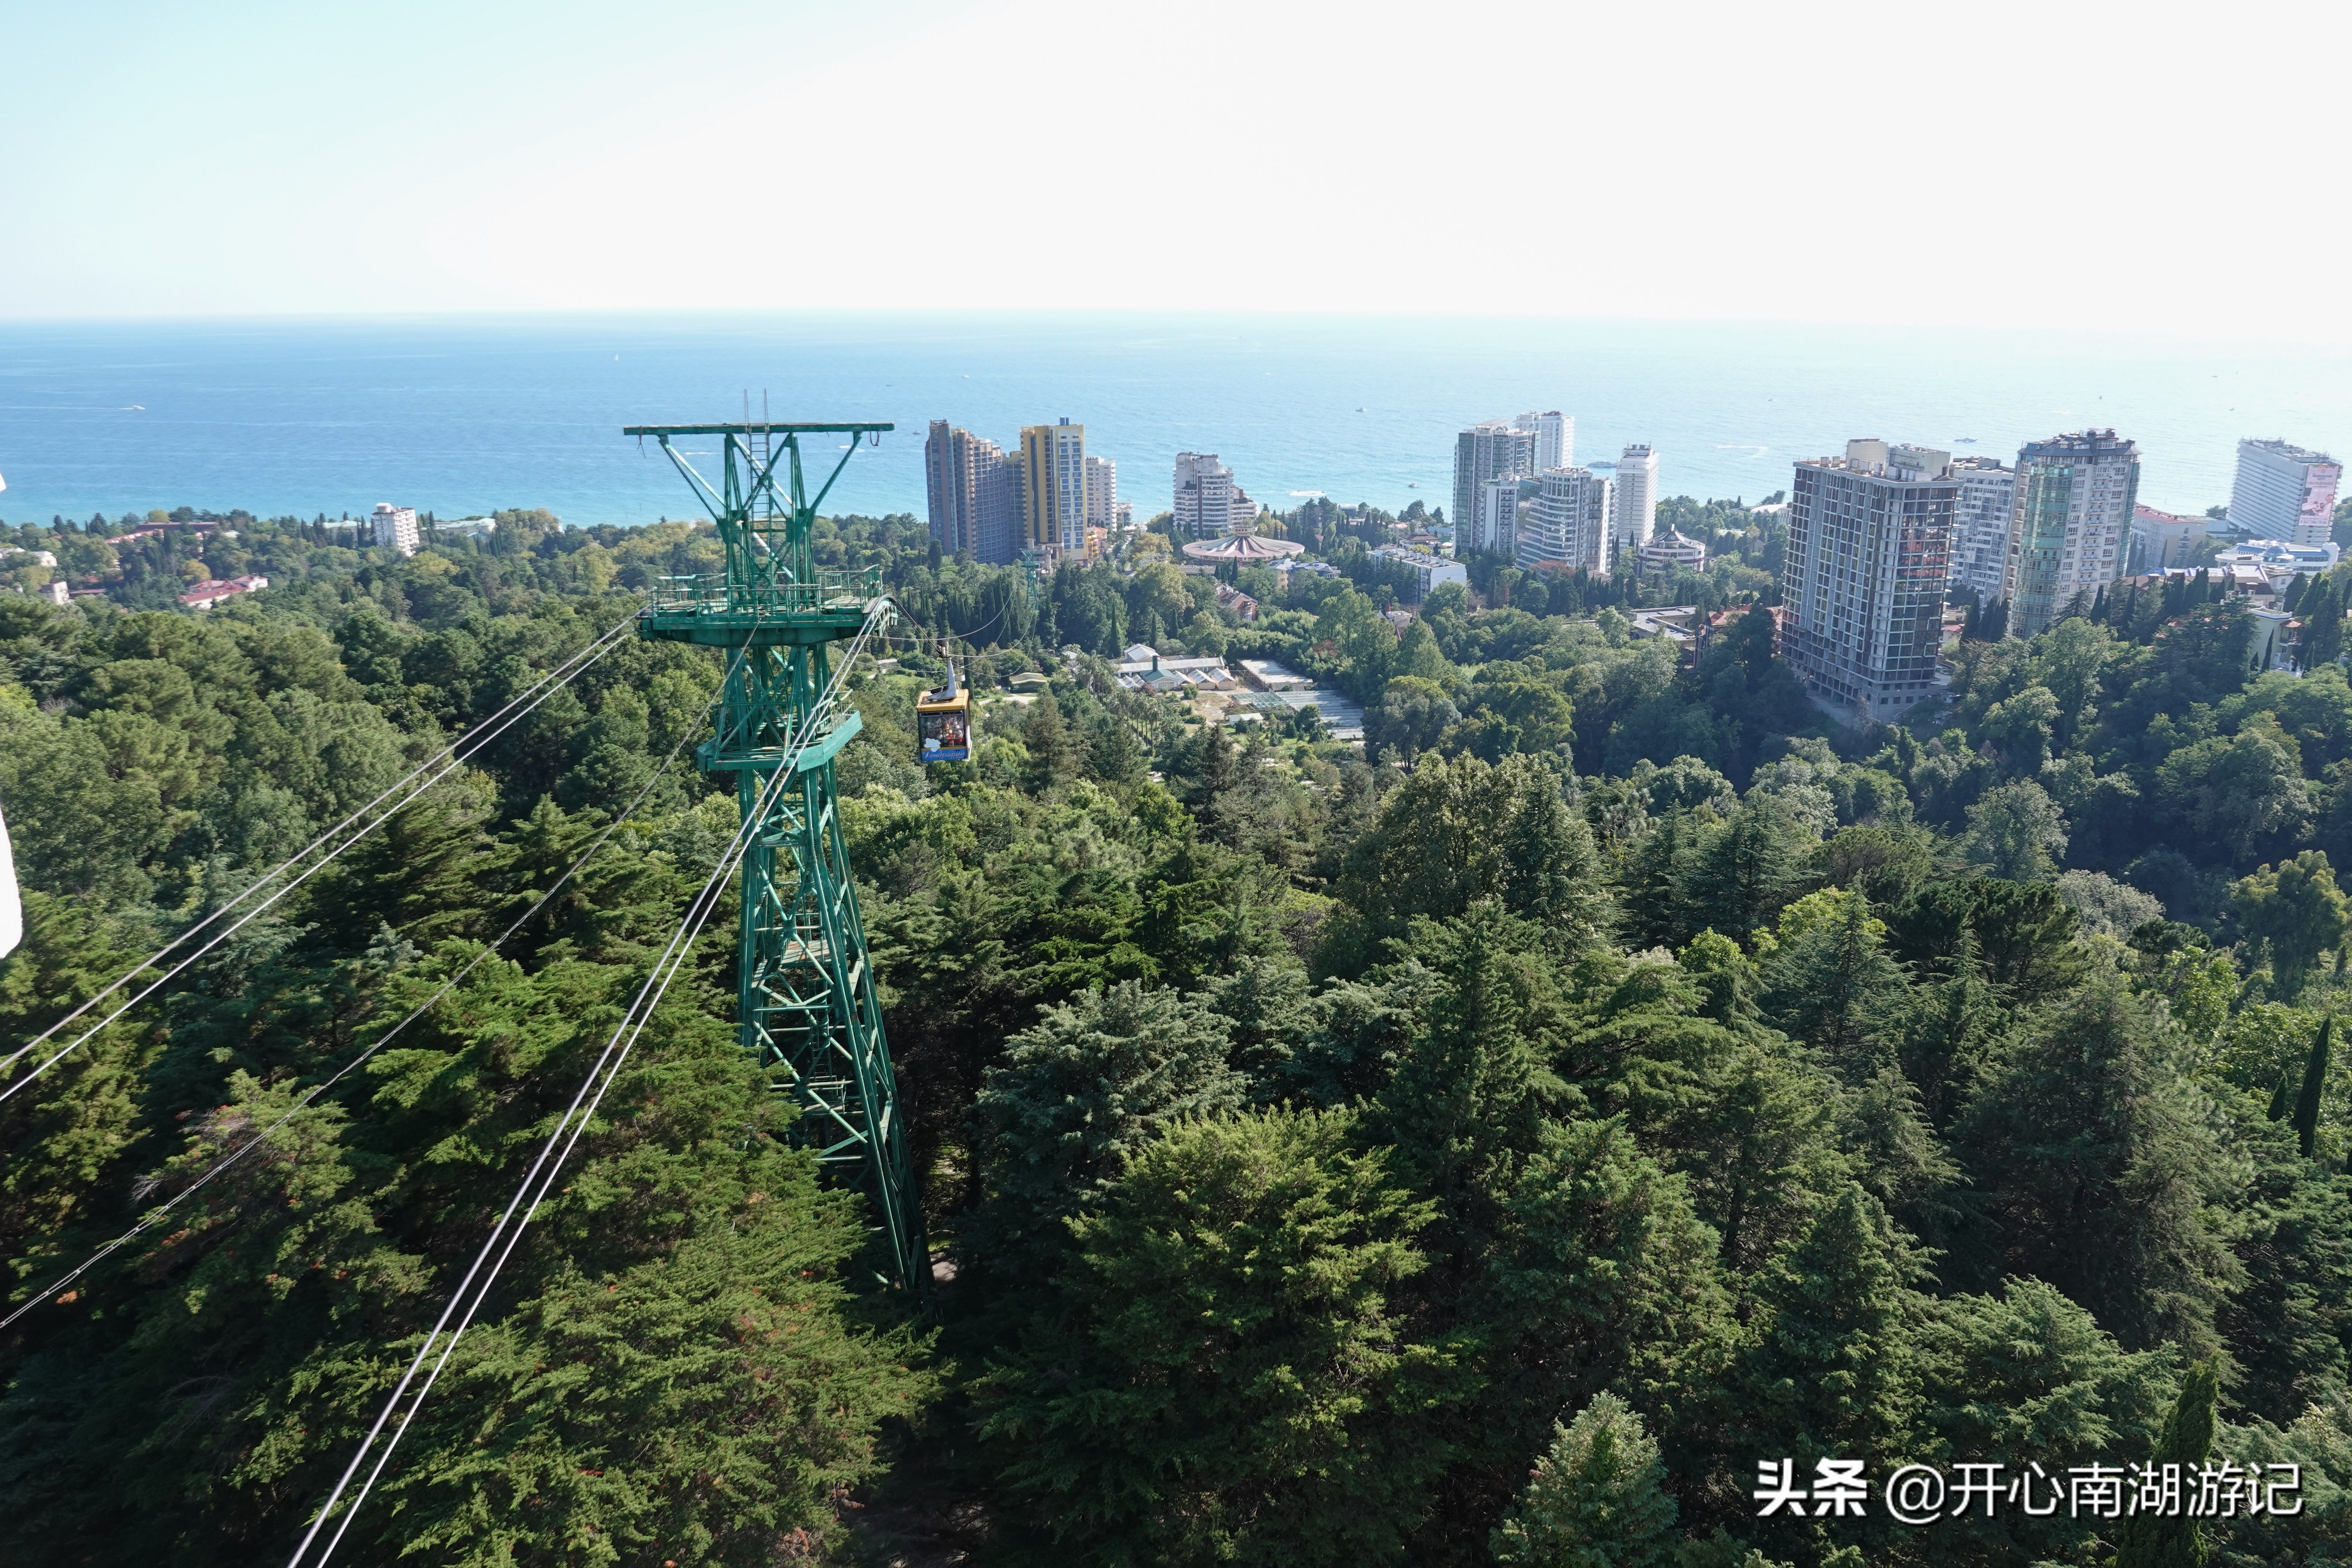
pixel 944 723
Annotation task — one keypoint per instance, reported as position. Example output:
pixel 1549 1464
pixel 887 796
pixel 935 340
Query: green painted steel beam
pixel 805 1003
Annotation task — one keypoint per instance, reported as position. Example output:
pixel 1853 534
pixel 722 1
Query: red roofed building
pixel 204 595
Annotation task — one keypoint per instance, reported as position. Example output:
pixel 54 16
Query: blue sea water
pixel 461 415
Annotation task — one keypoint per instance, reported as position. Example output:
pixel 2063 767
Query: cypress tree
pixel 2294 595
pixel 2152 1540
pixel 2323 626
pixel 2278 1101
pixel 2314 1079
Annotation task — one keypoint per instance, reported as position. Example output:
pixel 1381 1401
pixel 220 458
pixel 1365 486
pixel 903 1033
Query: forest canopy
pixel 1488 1144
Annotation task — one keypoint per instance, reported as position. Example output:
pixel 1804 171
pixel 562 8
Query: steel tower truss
pixel 805 996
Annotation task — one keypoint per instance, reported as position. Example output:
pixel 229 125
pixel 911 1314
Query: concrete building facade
pixel 1980 552
pixel 1567 525
pixel 1490 450
pixel 1208 501
pixel 1429 571
pixel 1669 553
pixel 1555 439
pixel 2284 492
pixel 975 503
pixel 395 526
pixel 2164 540
pixel 1636 515
pixel 1052 479
pixel 1494 523
pixel 2070 532
pixel 1863 580
pixel 1102 492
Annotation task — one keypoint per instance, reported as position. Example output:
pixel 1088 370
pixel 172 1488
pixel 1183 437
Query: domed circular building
pixel 1242 547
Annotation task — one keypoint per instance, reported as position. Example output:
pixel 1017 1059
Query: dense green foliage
pixel 1487 1145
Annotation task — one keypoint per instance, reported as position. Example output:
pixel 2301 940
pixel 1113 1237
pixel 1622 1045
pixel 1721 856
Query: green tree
pixel 1747 869
pixel 1459 831
pixel 2156 1539
pixel 1601 1275
pixel 2097 1161
pixel 1087 1085
pixel 2016 833
pixel 2297 913
pixel 1596 1500
pixel 2315 1084
pixel 1830 983
pixel 1224 1375
pixel 1829 1372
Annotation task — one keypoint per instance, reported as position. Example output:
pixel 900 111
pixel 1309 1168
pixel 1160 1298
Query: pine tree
pixel 1833 987
pixel 2153 1539
pixel 1831 1372
pixel 1596 1500
pixel 1090 1083
pixel 2314 1085
pixel 1225 1372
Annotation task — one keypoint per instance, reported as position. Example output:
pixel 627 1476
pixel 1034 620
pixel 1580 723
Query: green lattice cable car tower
pixel 805 997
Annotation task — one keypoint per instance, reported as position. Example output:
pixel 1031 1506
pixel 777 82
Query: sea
pixel 464 414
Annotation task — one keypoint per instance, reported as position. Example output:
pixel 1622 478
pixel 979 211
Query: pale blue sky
pixel 2154 168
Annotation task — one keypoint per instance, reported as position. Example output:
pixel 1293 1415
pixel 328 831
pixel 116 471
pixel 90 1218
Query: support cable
pixel 483 734
pixel 541 1177
pixel 219 1167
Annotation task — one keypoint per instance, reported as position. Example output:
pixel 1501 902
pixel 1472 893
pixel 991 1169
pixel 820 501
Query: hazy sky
pixel 2132 167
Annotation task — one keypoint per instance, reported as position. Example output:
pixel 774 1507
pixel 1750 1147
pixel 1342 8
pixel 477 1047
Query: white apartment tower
pixel 1862 578
pixel 2070 530
pixel 1208 501
pixel 1102 492
pixel 396 526
pixel 1980 525
pixel 1569 525
pixel 1555 436
pixel 1637 498
pixel 2284 492
pixel 1494 523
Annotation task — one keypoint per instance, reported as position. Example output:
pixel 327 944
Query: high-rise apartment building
pixel 1555 443
pixel 1053 486
pixel 1863 579
pixel 1102 492
pixel 1569 524
pixel 1494 522
pixel 1208 501
pixel 1980 552
pixel 975 502
pixel 395 526
pixel 1490 450
pixel 1637 498
pixel 2284 492
pixel 2070 531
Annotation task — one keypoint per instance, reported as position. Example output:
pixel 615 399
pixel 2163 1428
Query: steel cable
pixel 533 695
pixel 507 1231
pixel 220 1167
pixel 483 734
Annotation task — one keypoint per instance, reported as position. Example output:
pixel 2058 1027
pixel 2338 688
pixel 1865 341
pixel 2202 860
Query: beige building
pixel 1052 479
